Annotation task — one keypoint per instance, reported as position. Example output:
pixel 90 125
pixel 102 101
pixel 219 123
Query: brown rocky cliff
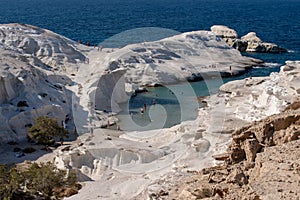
pixel 262 162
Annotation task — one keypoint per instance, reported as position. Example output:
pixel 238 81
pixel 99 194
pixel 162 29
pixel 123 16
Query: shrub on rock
pixel 45 130
pixel 42 181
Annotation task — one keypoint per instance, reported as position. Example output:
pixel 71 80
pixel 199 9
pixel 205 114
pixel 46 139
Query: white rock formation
pixel 9 86
pixel 251 37
pixel 261 97
pixel 250 42
pixel 33 63
pixel 255 44
pixel 48 49
pixel 27 92
pixel 188 56
pixel 224 31
pixel 46 74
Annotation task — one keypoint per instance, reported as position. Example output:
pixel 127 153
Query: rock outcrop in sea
pixel 249 42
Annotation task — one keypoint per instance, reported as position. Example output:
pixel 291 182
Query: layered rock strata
pixel 261 163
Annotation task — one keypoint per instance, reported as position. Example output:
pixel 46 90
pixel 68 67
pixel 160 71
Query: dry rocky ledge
pixel 262 162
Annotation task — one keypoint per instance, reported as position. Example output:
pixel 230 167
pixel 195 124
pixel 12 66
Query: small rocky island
pixel 248 43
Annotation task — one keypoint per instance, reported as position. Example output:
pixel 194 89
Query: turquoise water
pixel 165 106
pixel 174 103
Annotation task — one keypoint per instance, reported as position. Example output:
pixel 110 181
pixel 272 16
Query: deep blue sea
pixel 275 21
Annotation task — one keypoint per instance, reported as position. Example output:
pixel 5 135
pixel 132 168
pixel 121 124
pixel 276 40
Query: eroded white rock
pixel 224 31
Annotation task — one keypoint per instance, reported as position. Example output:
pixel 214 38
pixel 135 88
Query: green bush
pixel 43 179
pixel 45 130
pixel 10 180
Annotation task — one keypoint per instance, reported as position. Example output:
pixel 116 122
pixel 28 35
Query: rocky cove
pixel 164 164
pixel 47 74
pixel 59 77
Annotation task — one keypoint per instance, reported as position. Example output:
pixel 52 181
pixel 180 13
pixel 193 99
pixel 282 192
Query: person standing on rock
pixel 63 124
pixel 230 70
pixel 131 115
pixel 75 106
pixel 75 131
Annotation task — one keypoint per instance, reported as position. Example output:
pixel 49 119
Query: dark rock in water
pixel 238 44
pixel 29 150
pixel 28 125
pixel 133 94
pixel 194 77
pixel 141 90
pixel 19 154
pixel 17 149
pixel 22 104
pixel 157 85
pixel 12 143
